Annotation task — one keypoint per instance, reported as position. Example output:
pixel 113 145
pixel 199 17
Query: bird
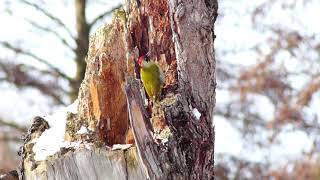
pixel 152 77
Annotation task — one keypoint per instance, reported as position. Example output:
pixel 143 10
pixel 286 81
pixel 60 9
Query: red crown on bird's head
pixel 140 60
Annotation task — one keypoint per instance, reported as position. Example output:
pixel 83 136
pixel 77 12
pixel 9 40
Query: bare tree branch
pixel 11 139
pixel 49 30
pixel 49 15
pixel 13 125
pixel 3 67
pixel 19 77
pixel 305 96
pixel 101 16
pixel 43 61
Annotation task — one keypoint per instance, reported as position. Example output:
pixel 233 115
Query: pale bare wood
pixel 179 36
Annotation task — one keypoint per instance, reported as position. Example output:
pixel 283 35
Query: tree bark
pixel 174 139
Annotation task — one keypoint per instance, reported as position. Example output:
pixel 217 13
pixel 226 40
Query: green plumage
pixel 153 79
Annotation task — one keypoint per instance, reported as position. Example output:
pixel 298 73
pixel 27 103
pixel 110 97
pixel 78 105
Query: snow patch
pixel 73 108
pixel 196 113
pixel 82 130
pixel 77 145
pixel 121 146
pixel 52 139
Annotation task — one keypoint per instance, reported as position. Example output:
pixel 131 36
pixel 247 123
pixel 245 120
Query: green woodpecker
pixel 152 77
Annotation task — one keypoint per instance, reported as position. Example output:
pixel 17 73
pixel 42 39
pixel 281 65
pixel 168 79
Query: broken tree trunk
pixel 172 139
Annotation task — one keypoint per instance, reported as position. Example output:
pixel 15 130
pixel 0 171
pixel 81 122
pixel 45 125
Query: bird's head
pixel 143 60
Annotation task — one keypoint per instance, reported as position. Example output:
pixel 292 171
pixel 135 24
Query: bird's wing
pixel 159 72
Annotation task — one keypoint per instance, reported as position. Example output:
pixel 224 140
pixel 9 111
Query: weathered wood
pixel 94 164
pixel 192 23
pixel 142 131
pixel 188 154
pixel 175 137
pixel 103 106
pixel 101 164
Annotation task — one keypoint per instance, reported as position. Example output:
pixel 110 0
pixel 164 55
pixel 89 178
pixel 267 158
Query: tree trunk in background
pixel 82 46
pixel 174 139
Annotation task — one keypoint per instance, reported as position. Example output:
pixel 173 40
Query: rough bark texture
pixel 172 142
pixel 188 154
pixel 193 32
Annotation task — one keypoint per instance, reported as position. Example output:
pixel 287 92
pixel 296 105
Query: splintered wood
pixel 103 105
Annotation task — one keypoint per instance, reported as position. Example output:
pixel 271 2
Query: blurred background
pixel 267 115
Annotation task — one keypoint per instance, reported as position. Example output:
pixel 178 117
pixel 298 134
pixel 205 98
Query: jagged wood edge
pixel 142 130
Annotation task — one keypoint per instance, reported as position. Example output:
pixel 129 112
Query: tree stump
pixel 172 139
